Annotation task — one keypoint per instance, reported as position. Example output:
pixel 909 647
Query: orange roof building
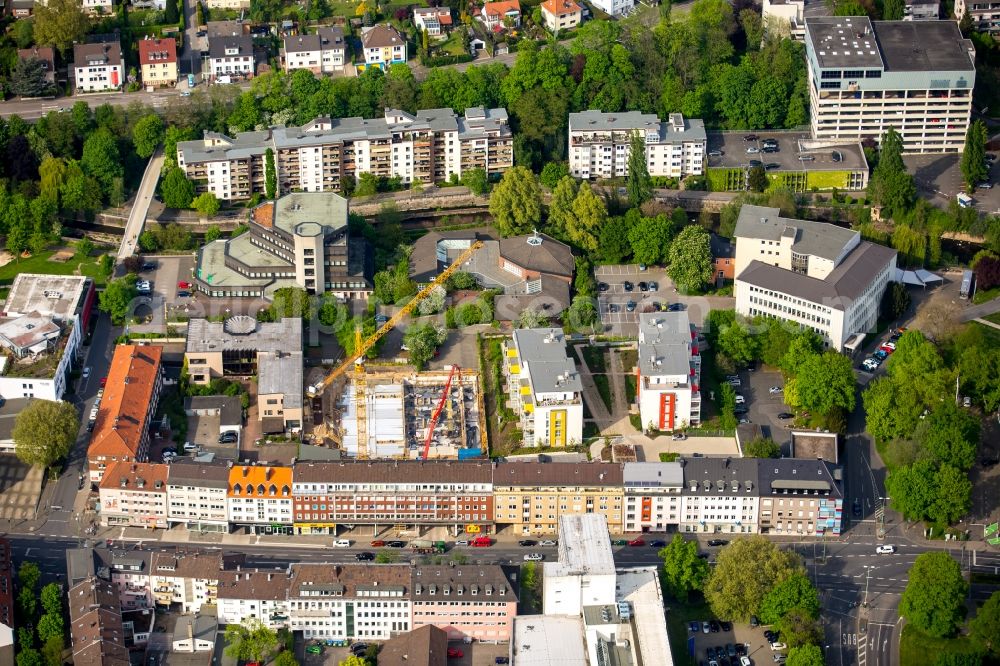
pixel 561 14
pixel 158 60
pixel 131 394
pixel 134 494
pixel 260 497
pixel 494 13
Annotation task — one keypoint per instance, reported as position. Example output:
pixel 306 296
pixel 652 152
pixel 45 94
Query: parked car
pixel 750 137
pixel 229 437
pixel 678 437
pixel 643 286
pixel 657 543
pixel 771 166
pixel 602 286
pixel 377 543
pixel 754 622
pixel 396 544
pixel 775 390
pixel 778 646
pixel 86 373
pixel 714 626
pixel 807 158
pixel 770 636
pixel 745 421
pixel 740 400
pixel 638 541
pixel 630 306
pixel 653 285
pixel 715 153
pixel 613 307
pixel 705 628
pixel 624 542
pixel 455 653
pixel 527 542
pixel 694 627
pixel 755 163
pixel 784 416
pixel 727 626
pixel 190 446
pixel 182 284
pixel 753 150
pixel 717 542
pixel 462 542
pixel 533 557
pixel 967 402
pixel 147 266
pixel 548 542
pixel 627 286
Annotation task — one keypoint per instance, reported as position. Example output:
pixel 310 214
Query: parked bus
pixel 966 284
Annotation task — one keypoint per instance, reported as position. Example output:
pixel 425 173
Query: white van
pixel 342 543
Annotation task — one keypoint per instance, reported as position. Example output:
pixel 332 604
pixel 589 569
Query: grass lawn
pixel 604 388
pixel 454 45
pixel 629 358
pixel 991 334
pixel 985 295
pixel 40 263
pixel 630 388
pixel 594 356
pixel 678 617
pixel 995 317
pixel 914 646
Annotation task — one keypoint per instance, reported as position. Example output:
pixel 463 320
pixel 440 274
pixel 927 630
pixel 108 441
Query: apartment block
pixel 531 496
pixel 95 624
pixel 653 499
pixel 247 593
pixel 544 387
pixel 134 494
pixel 868 76
pixel 130 573
pixel 97 67
pixel 382 46
pixel 813 274
pixel 230 56
pixel 196 496
pixel 668 374
pixel 158 60
pixel 131 395
pixel 186 581
pixel 720 495
pixel 985 14
pixel 390 492
pixel 800 498
pixel 322 52
pixel 469 602
pixel 260 497
pixel 784 18
pixel 430 145
pixel 600 144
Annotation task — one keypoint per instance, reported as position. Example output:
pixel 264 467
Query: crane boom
pixel 437 411
pixel 395 319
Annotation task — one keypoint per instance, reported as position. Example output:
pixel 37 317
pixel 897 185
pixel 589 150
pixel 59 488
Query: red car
pixel 377 543
pixel 104 381
pixel 637 542
pixel 183 285
pixel 887 350
pixel 455 653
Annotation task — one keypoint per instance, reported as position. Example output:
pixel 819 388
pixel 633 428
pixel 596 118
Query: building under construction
pixel 399 409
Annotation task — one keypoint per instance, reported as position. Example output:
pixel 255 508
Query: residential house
pixel 260 498
pixel 98 7
pixel 561 14
pixel 800 497
pixel 186 581
pixel 158 60
pixel 721 495
pixel 653 500
pixel 322 52
pixel 501 14
pixel 247 593
pixel 46 54
pixel 95 624
pixel 544 387
pixel 435 21
pixel 20 9
pixel 131 395
pixel 98 67
pixel 668 374
pixel 382 45
pixel 196 496
pixel 531 496
pixel 468 601
pixel 230 56
pixel 195 633
pixel 615 8
pixel 784 18
pixel 723 259
pixel 134 494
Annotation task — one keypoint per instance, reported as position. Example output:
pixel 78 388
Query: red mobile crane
pixel 437 411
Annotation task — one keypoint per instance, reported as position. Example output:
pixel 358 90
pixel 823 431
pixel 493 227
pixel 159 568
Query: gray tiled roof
pixel 99 53
pixel 797 474
pixel 851 277
pixel 543 352
pixel 717 476
pixel 539 252
pixel 218 45
pixel 325 38
pixel 684 129
pixel 811 238
pixel 241 146
pixel 280 372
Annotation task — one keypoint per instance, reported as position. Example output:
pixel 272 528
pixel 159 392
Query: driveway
pixel 613 304
pixel 764 407
pixel 941 177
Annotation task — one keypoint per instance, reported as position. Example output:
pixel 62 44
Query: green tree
pixel 52 599
pixel 213 233
pixel 147 134
pixel 27 603
pixel 60 23
pixel 28 78
pixel 985 627
pixel 805 655
pixel 745 571
pixel 206 204
pixel 285 658
pixel 50 625
pixel 951 435
pixel 973 162
pixel 895 301
pixel 177 190
pixel 683 571
pixel 650 239
pixel 690 259
pixel 934 598
pixel 52 650
pixel 367 185
pixel 893 10
pixel 589 215
pixel 849 8
pixel 762 447
pixel 638 184
pixel 23 33
pixel 251 640
pixel 477 181
pixel 270 175
pixel 44 432
pixel 958 658
pixel 796 591
pixel 912 489
pixel 891 186
pixel 28 577
pixel 354 660
pixel 552 173
pixel 737 343
pixel 290 302
pixel 84 247
pixel 423 341
pixel 30 657
pixel 797 628
pixel 561 207
pixel 953 495
pixel 757 180
pixel 117 297
pixel 825 382
pixel 101 159
pixel 516 202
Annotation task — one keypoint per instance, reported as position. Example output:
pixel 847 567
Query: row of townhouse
pixel 696 495
pixel 322 600
pixel 99 66
pixel 429 146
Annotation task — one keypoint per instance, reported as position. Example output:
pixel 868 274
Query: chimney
pixel 267 474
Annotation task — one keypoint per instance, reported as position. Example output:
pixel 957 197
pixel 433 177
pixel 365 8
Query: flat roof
pixel 308 213
pixel 923 46
pixel 664 343
pixel 281 372
pixel 212 336
pixel 843 41
pixel 584 547
pixel 549 640
pixel 819 239
pixel 542 351
pixel 212 263
pixel 640 587
pixel 647 474
pixel 56 296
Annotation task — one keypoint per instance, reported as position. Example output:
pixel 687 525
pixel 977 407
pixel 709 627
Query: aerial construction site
pixel 401 413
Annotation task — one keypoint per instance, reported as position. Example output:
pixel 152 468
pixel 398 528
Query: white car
pixel 740 400
pixel 533 557
pixel 890 345
pixel 190 446
pixel 548 542
pixel 753 150
pixel 735 383
pixel 774 390
pixel 86 372
pixel 744 661
pixel 885 550
pixel 778 646
pixel 462 542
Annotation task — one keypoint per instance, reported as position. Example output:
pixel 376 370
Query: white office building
pixel 600 143
pixel 669 372
pixel 584 574
pixel 652 496
pixel 816 275
pixel 868 76
pixel 545 388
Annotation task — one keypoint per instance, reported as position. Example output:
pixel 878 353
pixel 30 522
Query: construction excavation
pixel 404 414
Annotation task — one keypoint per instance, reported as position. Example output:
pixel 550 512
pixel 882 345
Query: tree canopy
pixel 683 571
pixel 60 23
pixel 691 259
pixel 745 572
pixel 117 297
pixel 934 598
pixel 516 202
pixel 985 626
pixel 251 640
pixel 795 591
pixel 44 432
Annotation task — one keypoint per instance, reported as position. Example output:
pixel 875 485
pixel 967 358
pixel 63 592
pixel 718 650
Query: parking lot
pixel 941 177
pixel 613 303
pixel 764 406
pixel 792 154
pixel 751 639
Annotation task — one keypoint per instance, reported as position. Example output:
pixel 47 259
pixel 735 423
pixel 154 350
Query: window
pixel 831 74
